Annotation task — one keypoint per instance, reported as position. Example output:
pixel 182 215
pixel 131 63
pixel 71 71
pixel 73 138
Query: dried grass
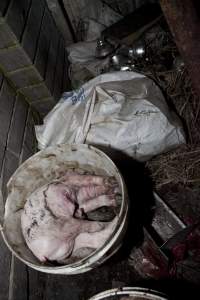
pixel 181 166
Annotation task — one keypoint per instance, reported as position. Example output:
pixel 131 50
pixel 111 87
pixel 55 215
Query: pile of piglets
pixel 55 222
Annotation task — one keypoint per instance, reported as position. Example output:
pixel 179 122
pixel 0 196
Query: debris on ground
pixel 176 174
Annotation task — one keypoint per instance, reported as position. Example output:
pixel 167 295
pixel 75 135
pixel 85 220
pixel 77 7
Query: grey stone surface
pixel 36 92
pixel 25 77
pixel 13 58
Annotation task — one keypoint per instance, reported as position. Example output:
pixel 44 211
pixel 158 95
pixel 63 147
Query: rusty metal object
pixel 137 50
pixel 184 22
pixel 148 260
pixel 165 221
pixel 103 48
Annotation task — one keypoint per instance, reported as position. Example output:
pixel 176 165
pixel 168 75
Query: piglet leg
pixel 95 239
pixel 82 180
pixel 91 191
pixel 102 200
pixel 89 226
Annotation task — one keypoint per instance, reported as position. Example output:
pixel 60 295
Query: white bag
pixel 84 66
pixel 122 110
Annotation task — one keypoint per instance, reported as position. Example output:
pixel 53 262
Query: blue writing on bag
pixel 75 96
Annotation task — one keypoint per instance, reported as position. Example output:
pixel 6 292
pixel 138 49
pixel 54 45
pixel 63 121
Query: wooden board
pixel 17 14
pixel 32 30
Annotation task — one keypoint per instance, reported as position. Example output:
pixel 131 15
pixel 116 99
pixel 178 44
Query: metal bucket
pixel 130 293
pixel 42 168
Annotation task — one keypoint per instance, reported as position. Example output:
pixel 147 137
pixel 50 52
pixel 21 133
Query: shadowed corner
pixel 173 289
pixel 140 191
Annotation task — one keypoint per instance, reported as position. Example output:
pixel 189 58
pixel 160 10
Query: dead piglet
pixel 49 226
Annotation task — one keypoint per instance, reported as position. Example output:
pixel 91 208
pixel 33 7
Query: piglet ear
pixel 80 214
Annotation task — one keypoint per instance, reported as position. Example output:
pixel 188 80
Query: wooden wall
pixel 32 52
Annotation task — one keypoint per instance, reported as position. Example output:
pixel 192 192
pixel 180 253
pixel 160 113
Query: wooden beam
pixel 183 17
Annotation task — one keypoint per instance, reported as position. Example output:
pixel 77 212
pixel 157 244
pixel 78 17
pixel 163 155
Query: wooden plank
pixel 52 56
pixel 29 143
pixel 43 107
pixel 1 80
pixel 7 100
pixel 2 153
pixel 60 287
pixel 66 81
pixel 32 30
pixel 5 261
pixel 73 10
pixel 85 286
pixel 61 19
pixel 17 127
pixel 37 284
pixel 59 71
pixel 44 43
pixel 184 22
pixel 3 6
pixel 7 37
pixel 16 16
pixel 10 164
pixel 19 281
pixel 133 25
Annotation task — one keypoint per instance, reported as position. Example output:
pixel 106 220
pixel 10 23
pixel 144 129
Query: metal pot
pixel 103 48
